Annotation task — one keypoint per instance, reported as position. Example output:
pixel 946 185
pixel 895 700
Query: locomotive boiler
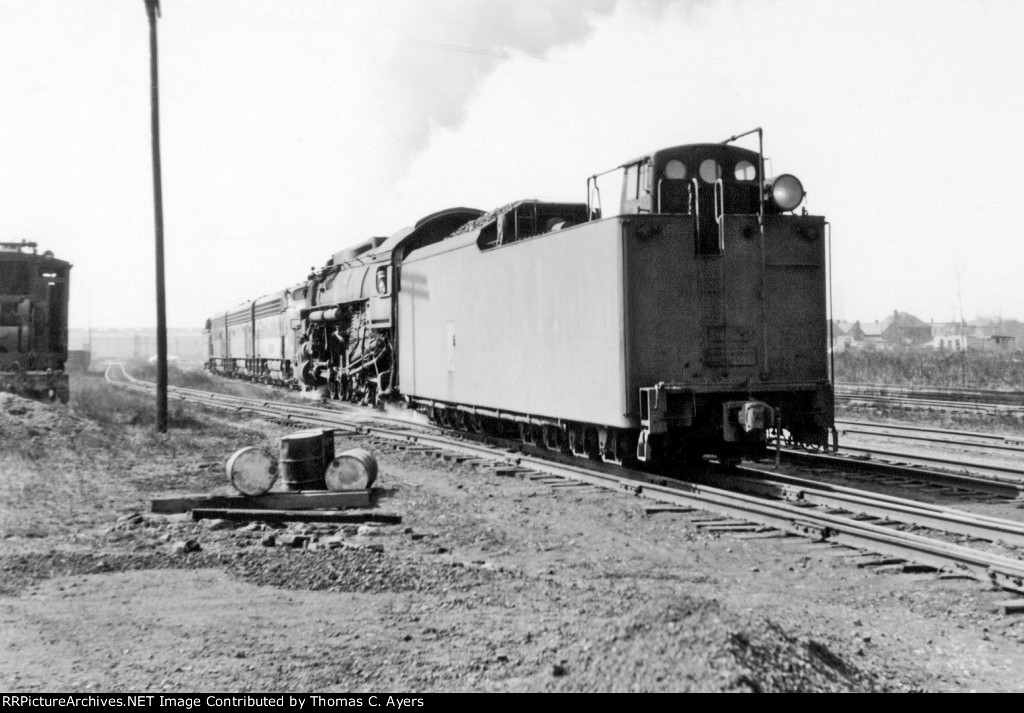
pixel 33 322
pixel 692 321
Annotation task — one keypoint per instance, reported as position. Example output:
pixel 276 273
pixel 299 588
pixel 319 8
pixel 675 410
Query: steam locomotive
pixel 33 322
pixel 692 322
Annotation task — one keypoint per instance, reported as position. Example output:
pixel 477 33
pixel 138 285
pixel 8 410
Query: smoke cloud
pixel 441 52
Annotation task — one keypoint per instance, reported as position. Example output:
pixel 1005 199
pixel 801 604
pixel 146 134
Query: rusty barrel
pixel 252 471
pixel 355 469
pixel 304 458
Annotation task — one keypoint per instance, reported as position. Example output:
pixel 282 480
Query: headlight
pixel 786 191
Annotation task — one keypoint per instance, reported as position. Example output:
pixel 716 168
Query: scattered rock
pixel 185 546
pixel 292 540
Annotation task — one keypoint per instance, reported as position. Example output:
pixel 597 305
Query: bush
pixel 973 370
pixel 107 405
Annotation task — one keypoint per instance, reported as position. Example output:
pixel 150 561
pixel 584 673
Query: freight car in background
pixel 691 322
pixel 33 322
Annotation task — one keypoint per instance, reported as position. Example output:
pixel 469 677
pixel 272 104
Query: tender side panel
pixel 661 296
pixel 535 326
pixel 795 288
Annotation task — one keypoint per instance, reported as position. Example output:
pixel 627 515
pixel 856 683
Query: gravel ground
pixel 488 584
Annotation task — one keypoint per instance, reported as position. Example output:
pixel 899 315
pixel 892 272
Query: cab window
pixel 675 170
pixel 745 171
pixel 710 170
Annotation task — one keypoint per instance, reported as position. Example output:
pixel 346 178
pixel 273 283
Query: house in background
pixel 905 329
pixel 951 336
pixel 846 335
pixel 872 332
pixel 996 343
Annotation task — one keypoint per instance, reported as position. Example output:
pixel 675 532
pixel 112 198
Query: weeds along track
pixel 947 540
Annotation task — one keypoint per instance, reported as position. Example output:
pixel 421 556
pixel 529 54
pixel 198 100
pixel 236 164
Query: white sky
pixel 292 129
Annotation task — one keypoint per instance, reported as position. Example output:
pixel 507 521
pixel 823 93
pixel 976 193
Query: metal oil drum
pixel 303 458
pixel 252 471
pixel 355 469
pixel 328 446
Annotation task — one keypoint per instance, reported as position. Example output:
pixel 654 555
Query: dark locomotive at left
pixel 692 322
pixel 33 322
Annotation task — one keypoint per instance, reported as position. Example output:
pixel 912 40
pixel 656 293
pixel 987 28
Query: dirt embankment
pixel 489 583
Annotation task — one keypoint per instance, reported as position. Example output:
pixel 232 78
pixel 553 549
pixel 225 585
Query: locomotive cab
pixel 746 358
pixel 33 321
pixel 704 181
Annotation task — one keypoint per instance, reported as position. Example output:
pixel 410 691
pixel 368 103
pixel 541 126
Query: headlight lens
pixel 787 191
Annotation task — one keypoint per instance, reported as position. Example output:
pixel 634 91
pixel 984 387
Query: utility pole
pixel 963 333
pixel 153 11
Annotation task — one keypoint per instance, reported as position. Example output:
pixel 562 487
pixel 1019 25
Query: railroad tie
pixel 762 534
pixel 732 527
pixel 1010 606
pixel 654 509
pixel 544 478
pixel 293 516
pixel 508 470
pixel 712 525
pixel 876 562
pixel 904 568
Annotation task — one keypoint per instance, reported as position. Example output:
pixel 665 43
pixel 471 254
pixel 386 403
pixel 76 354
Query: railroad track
pixel 959 400
pixel 993 458
pixel 934 435
pixel 747 497
pixel 901 468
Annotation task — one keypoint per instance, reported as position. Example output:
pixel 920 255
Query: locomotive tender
pixel 692 322
pixel 33 322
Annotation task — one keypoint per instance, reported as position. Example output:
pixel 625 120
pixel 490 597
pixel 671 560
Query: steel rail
pixel 1005 572
pixel 928 429
pixel 870 430
pixel 937 459
pixel 934 403
pixel 992 484
pixel 933 439
pixel 315 413
pixel 954 393
pixel 911 512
